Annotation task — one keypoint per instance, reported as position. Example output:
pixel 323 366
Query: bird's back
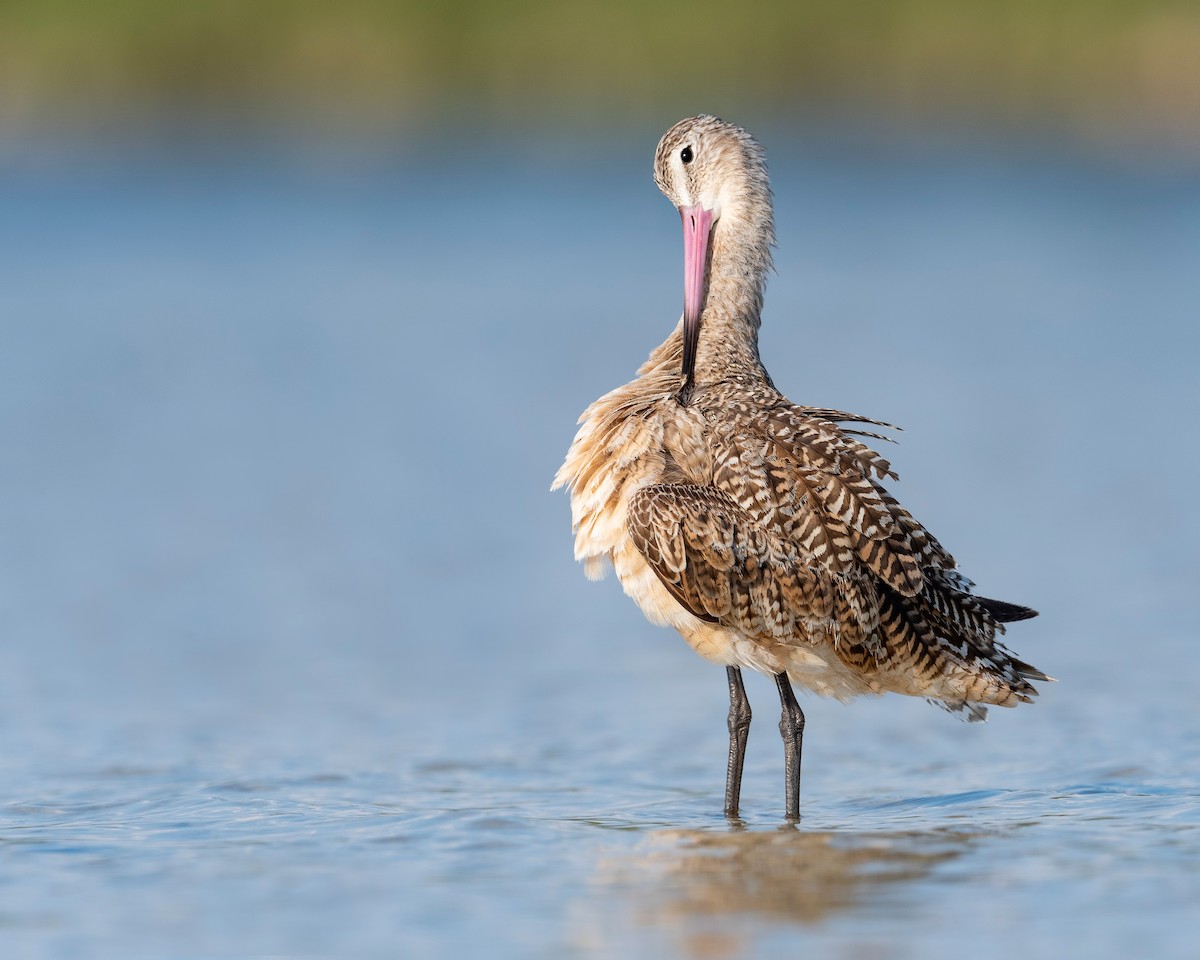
pixel 769 524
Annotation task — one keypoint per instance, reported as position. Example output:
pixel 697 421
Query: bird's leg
pixel 791 727
pixel 739 731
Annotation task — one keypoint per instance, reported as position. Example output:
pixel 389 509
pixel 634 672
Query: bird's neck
pixel 739 260
pixel 737 276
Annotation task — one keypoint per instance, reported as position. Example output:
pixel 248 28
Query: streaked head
pixel 706 162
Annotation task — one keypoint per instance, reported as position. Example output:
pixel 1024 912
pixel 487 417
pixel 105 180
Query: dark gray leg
pixel 739 731
pixel 791 727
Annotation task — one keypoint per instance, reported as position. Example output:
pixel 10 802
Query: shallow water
pixel 296 658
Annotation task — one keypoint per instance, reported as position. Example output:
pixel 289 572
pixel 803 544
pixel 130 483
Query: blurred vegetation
pixel 1093 65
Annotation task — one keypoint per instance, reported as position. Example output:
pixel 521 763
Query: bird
pixel 760 529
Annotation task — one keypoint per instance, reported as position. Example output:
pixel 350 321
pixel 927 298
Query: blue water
pixel 297 662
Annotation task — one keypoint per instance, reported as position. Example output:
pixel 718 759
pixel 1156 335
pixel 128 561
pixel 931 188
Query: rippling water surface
pixel 296 660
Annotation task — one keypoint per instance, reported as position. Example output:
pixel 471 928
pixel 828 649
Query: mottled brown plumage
pixel 760 529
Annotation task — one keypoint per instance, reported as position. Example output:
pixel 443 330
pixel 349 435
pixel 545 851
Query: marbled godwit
pixel 759 529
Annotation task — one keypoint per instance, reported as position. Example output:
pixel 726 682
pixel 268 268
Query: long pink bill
pixel 697 227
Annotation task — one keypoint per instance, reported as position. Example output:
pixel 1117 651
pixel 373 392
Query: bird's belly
pixel 714 642
pixel 642 584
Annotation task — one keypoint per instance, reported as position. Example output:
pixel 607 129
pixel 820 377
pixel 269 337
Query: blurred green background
pixel 1109 71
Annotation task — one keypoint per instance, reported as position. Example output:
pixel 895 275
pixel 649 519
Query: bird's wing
pixel 724 566
pixel 929 620
pixel 797 540
pixel 800 473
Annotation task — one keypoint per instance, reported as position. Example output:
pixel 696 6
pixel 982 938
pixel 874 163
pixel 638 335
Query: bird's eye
pixel 686 154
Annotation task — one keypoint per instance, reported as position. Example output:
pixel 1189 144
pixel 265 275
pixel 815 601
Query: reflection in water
pixel 711 892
